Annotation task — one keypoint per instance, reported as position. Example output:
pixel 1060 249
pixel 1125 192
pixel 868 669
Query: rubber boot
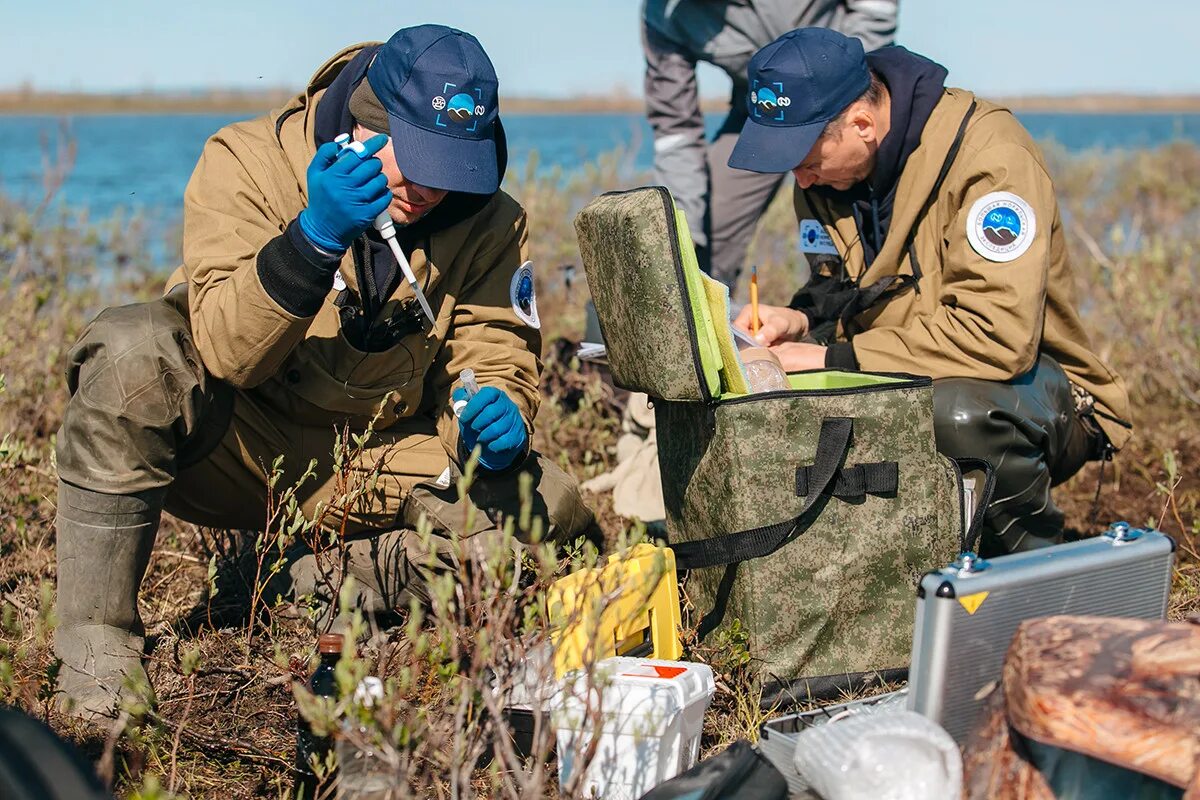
pixel 104 544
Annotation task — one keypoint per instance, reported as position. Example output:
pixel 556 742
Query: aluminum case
pixel 967 613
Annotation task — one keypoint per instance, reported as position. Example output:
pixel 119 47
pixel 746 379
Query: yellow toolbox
pixel 628 607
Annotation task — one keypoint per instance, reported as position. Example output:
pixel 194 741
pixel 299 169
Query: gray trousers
pixel 736 201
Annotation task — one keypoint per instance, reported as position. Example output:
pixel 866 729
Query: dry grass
pixel 225 715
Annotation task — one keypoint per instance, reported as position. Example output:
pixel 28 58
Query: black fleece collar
pixel 916 85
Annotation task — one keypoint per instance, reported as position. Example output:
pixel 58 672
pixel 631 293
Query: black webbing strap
pixel 870 295
pixel 832 446
pixel 970 536
pixel 931 198
pixel 882 477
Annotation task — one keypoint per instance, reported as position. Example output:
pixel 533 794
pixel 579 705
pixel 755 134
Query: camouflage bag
pixel 808 515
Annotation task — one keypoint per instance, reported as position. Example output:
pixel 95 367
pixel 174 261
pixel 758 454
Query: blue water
pixel 141 163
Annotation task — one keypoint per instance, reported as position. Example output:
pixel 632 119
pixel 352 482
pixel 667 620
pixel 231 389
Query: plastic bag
pixel 892 755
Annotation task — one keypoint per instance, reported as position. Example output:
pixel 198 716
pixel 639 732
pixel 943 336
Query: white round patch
pixel 1001 226
pixel 522 293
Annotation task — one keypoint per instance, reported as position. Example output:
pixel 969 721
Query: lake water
pixel 142 162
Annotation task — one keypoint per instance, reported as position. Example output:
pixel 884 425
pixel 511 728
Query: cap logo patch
pixel 769 101
pixel 523 295
pixel 460 108
pixel 1001 226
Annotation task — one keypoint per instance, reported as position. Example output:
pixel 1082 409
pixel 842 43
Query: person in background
pixel 936 247
pixel 723 205
pixel 290 321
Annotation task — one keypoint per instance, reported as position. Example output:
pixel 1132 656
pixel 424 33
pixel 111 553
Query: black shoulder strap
pixel 892 284
pixel 948 162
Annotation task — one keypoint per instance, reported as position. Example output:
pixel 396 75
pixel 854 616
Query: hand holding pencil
pixel 776 324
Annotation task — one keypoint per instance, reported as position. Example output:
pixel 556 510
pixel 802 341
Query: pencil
pixel 754 300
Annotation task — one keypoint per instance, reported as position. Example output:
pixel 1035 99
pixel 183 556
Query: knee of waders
pixel 131 375
pixel 963 422
pixel 136 360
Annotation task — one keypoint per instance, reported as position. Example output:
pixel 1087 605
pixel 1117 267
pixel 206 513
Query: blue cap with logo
pixel 440 92
pixel 798 83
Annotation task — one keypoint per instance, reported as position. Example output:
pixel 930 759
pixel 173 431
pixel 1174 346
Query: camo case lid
pixel 630 245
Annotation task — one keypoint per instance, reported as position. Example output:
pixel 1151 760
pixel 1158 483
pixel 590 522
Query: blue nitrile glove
pixel 345 194
pixel 492 421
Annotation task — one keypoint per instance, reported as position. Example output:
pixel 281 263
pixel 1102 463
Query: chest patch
pixel 1001 226
pixel 523 296
pixel 815 239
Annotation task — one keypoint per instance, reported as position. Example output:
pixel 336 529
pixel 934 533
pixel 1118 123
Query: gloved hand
pixel 344 194
pixel 492 421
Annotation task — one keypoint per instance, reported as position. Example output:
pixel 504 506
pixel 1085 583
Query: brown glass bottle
pixel 310 746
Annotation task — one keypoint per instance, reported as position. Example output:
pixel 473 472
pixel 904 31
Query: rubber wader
pixel 104 544
pixel 1033 434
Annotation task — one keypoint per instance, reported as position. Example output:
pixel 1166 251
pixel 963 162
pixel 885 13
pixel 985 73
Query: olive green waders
pixel 1036 431
pixel 147 429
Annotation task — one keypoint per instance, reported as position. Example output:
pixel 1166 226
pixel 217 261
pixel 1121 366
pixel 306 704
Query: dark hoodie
pixel 333 118
pixel 915 84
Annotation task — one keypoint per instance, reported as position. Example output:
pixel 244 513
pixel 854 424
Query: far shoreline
pixel 27 103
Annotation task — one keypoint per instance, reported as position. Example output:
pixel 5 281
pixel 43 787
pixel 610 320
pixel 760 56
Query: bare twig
pixel 1093 247
pixel 26 467
pixel 104 767
pixel 187 710
pixel 238 749
pixel 16 602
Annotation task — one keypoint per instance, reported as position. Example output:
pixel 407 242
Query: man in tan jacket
pixel 933 235
pixel 291 319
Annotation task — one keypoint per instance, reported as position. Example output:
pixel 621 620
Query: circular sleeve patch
pixel 523 296
pixel 1001 226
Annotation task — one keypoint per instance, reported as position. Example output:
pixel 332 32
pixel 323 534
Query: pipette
pixel 387 229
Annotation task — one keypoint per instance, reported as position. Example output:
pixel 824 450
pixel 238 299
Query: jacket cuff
pixel 840 355
pixel 295 273
pixel 807 312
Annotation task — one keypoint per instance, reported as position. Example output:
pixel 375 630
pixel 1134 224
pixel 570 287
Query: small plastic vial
pixel 467 378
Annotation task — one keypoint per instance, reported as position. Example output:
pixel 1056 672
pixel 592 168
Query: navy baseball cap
pixel 798 83
pixel 440 92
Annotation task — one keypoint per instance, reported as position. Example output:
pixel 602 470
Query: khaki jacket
pixel 247 187
pixel 969 316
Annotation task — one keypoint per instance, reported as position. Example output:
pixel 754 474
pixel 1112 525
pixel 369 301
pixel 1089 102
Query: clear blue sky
pixel 559 48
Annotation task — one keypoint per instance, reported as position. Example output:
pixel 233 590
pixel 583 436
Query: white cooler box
pixel 650 715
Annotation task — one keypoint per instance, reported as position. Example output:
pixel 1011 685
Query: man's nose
pixel 427 194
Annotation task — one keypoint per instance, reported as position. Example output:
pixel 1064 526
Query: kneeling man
pixel 292 318
pixel 931 228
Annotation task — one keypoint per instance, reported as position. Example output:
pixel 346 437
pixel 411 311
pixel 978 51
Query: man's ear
pixel 862 122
